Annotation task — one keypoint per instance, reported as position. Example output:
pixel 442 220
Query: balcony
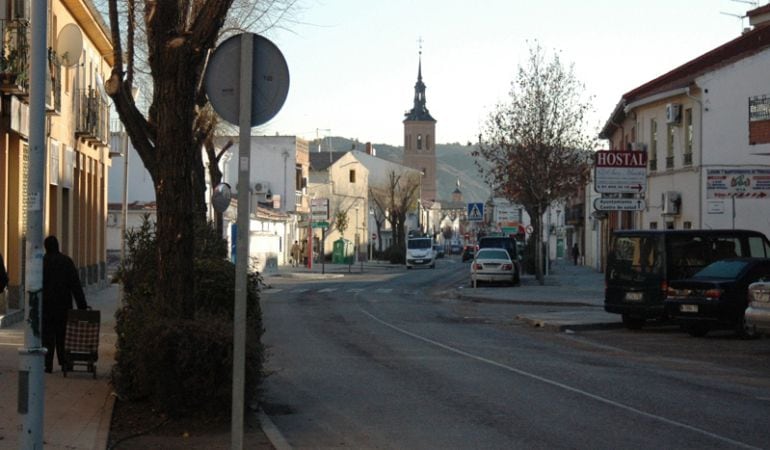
pixel 653 165
pixel 14 57
pixel 53 84
pixel 669 162
pixel 687 160
pixel 92 117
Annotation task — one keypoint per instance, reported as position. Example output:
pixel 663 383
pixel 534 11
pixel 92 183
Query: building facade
pixel 705 127
pixel 76 144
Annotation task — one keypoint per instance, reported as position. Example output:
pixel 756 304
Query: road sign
pixel 374 236
pixel 319 209
pixel 620 172
pixel 619 204
pixel 322 224
pixel 475 212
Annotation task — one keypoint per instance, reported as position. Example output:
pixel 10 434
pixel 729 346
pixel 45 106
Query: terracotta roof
pixel 741 47
pixel 758 11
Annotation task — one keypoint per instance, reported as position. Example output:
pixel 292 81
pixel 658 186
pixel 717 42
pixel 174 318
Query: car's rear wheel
pixel 746 330
pixel 632 322
pixel 698 329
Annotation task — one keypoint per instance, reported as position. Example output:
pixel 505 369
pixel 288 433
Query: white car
pixel 757 317
pixel 492 265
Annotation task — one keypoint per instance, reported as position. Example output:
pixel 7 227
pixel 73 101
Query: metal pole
pixel 242 252
pixel 31 384
pixel 124 210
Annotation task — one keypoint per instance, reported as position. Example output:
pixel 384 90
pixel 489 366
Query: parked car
pixel 468 252
pixel 757 315
pixel 493 265
pixel 438 250
pixel 716 296
pixel 456 249
pixel 641 264
pixel 509 244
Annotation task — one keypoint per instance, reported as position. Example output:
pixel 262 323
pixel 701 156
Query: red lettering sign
pixel 611 158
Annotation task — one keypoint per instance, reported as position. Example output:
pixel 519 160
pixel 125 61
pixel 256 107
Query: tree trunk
pixel 176 188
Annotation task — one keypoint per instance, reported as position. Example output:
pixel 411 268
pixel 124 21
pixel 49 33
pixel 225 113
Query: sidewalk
pixel 78 408
pixel 576 293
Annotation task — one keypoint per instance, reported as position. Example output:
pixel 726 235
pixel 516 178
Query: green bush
pixel 183 366
pixel 395 255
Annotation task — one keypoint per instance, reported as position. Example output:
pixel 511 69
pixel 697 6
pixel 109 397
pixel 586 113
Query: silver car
pixel 757 317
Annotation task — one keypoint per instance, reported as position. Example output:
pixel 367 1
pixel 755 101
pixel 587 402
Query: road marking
pixel 560 385
pixel 327 290
pixel 355 290
pixel 383 290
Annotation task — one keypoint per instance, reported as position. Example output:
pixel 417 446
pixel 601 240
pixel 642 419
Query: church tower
pixel 420 140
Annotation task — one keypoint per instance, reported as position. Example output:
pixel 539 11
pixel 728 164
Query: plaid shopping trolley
pixel 81 341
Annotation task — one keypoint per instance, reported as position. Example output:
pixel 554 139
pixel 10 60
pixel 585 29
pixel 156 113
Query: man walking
pixel 60 284
pixel 296 253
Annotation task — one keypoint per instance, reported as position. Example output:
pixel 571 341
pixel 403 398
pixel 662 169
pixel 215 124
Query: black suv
pixel 509 244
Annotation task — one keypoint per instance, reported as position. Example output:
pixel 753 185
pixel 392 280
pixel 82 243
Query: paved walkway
pixel 78 408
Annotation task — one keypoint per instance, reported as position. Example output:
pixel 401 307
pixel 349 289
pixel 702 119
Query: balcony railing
pixel 669 162
pixel 687 161
pixel 92 117
pixel 653 164
pixel 14 56
pixel 53 84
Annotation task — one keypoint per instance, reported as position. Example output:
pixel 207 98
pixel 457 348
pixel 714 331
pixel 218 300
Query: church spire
pixel 419 110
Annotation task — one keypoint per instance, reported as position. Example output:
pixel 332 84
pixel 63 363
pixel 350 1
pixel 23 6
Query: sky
pixel 353 63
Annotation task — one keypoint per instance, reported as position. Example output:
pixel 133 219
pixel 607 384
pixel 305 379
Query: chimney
pixel 759 17
pixel 369 148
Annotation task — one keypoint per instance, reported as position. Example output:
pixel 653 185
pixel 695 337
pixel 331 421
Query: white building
pixel 706 129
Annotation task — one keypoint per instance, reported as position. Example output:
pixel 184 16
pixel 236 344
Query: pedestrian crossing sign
pixel 475 212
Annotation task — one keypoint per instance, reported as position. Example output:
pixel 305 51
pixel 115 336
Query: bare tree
pixel 536 143
pixel 174 38
pixel 397 196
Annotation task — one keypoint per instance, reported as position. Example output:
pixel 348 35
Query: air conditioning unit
pixel 672 203
pixel 261 187
pixel 673 113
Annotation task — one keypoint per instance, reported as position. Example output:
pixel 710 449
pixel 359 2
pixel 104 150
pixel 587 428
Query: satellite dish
pixel 69 45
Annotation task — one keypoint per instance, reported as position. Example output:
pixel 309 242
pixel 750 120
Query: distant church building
pixel 420 141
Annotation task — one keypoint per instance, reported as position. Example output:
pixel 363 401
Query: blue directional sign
pixel 475 212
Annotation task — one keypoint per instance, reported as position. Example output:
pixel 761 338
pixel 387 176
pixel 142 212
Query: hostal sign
pixel 620 172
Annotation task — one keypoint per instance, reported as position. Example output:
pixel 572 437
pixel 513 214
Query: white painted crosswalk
pixel 326 290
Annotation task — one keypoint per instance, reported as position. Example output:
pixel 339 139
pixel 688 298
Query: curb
pixel 479 299
pixel 561 326
pixel 271 431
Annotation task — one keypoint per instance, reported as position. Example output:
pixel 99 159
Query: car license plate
pixel 418 261
pixel 634 296
pixel 688 308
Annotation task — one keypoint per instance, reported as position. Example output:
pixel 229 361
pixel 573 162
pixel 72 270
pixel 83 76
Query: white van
pixel 420 253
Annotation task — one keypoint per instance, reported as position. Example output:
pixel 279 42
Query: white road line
pixel 383 290
pixel 355 290
pixel 561 385
pixel 327 290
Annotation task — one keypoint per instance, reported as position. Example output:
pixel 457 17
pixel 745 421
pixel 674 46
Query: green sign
pixel 323 225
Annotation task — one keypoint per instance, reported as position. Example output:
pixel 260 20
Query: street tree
pixel 170 43
pixel 397 196
pixel 537 144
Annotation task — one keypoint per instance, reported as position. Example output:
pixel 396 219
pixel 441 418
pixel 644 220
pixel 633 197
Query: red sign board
pixel 612 158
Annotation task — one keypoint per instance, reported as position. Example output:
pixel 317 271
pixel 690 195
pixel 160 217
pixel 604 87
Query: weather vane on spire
pixel 419 43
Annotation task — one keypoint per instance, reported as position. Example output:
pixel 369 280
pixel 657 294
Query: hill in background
pixel 453 162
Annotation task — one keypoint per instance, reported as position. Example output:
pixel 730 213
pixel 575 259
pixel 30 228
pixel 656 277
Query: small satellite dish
pixel 69 45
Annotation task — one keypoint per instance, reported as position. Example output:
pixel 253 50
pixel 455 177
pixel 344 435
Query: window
pixel 669 146
pixel 653 225
pixel 352 175
pixel 689 131
pixel 687 225
pixel 653 144
pixel 419 142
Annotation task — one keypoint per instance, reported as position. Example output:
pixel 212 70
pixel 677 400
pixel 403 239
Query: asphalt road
pixel 392 361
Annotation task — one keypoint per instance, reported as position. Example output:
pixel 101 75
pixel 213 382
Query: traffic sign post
pixel 475 212
pixel 620 172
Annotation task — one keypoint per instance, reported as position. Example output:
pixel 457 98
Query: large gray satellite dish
pixel 270 79
pixel 69 45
